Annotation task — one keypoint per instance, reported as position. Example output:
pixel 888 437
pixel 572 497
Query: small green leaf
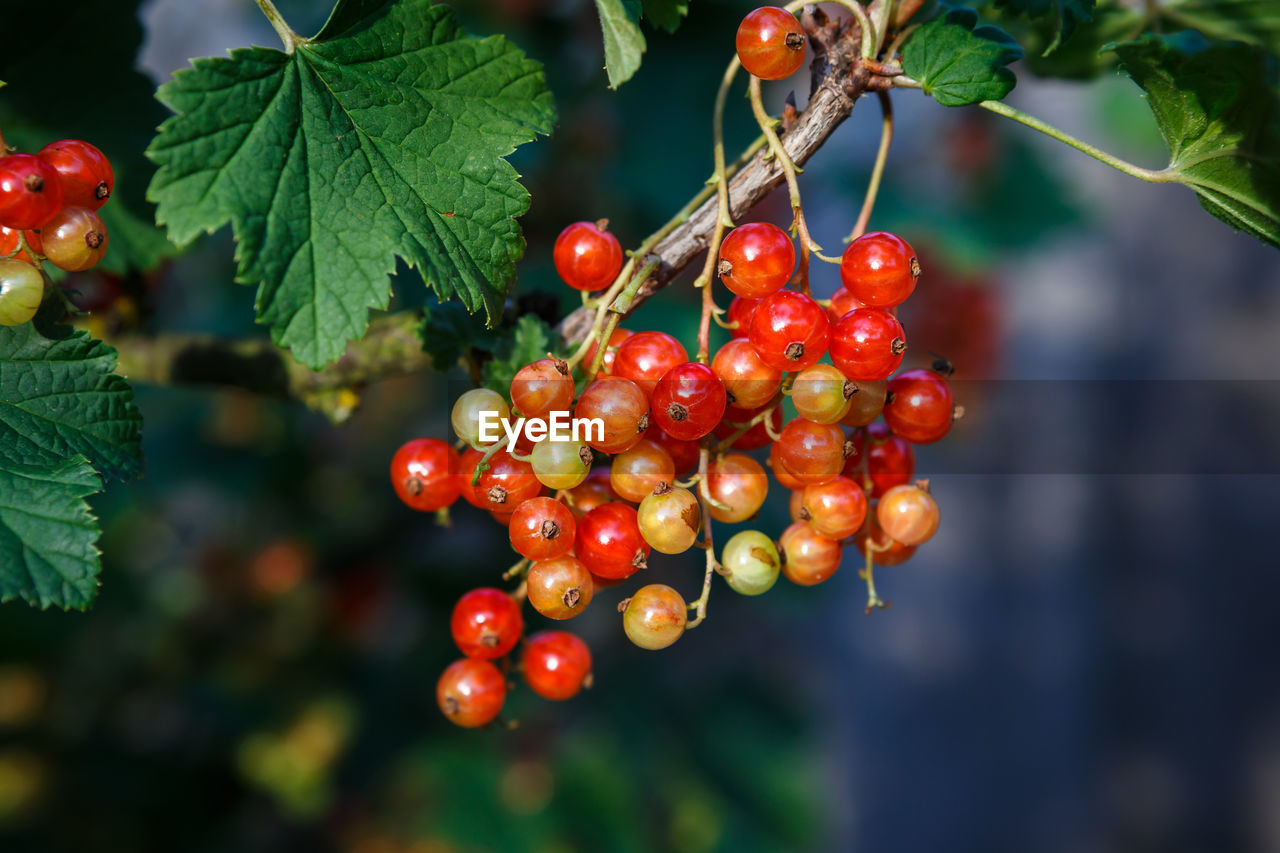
pixel 958 62
pixel 48 554
pixel 1086 54
pixel 1251 21
pixel 384 136
pixel 1065 14
pixel 448 332
pixel 532 340
pixel 666 14
pixel 1215 105
pixel 59 398
pixel 624 44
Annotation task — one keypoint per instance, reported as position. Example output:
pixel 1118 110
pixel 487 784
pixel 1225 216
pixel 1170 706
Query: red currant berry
pixel 424 473
pixel 841 303
pixel 770 43
pixel 780 473
pixel 646 356
pixel 467 464
pixel 756 436
pixel 541 388
pixel 21 291
pixel 561 464
pixel 867 344
pixel 921 407
pixel 610 352
pixel 684 454
pixel 486 623
pixel 813 453
pixel 808 558
pixel 594 491
pixel 879 269
pixel 75 239
pixel 891 461
pixel 836 509
pixel 507 483
pixel 609 543
pixel 885 551
pixel 542 528
pixel 470 692
pixel 739 485
pixel 689 401
pixel 821 394
pixel 908 514
pixel 750 563
pixel 622 407
pixel 669 519
pixel 86 174
pixel 635 472
pixel 865 406
pixel 560 588
pixel 739 315
pixel 587 256
pixel 655 616
pixel 756 259
pixel 748 381
pixel 9 243
pixel 790 331
pixel 30 191
pixel 557 665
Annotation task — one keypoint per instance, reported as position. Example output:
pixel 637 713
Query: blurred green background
pixel 1077 662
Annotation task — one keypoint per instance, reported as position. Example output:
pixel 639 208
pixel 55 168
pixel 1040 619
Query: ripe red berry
pixel 635 471
pixel 684 454
pixel 739 315
pixel 486 623
pixel 655 616
pixel 594 491
pixel 887 552
pixel 739 484
pixel 866 405
pixel 756 259
pixel 867 344
pixel 30 191
pixel 891 461
pixel 623 408
pixel 748 381
pixel 506 483
pixel 813 453
pixel 835 509
pixel 467 464
pixel 808 558
pixel 86 174
pixel 424 473
pixel 841 303
pixel 470 692
pixel 646 356
pixel 609 543
pixel 541 388
pixel 560 588
pixel 780 473
pixel 921 407
pixel 879 269
pixel 74 239
pixel 908 514
pixel 770 43
pixel 790 331
pixel 541 528
pixel 9 243
pixel 689 401
pixel 557 664
pixel 587 256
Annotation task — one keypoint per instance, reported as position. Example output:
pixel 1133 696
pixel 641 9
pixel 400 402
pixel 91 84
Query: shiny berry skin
pixel 921 407
pixel 795 504
pixel 887 552
pixel 867 404
pixel 756 260
pixel 541 528
pixel 635 472
pixel 748 381
pixel 740 313
pixel 739 484
pixel 821 394
pixel 689 401
pixel 908 514
pixel 30 191
pixel 595 490
pixel 541 388
pixel 610 352
pixel 790 331
pixel 646 356
pixel 655 617
pixel 561 464
pixel 807 558
pixel 466 473
pixel 470 692
pixel 755 437
pixel 867 344
pixel 622 406
pixel 609 543
pixel 891 460
pixel 841 303
pixel 587 256
pixel 21 291
pixel 835 509
pixel 467 411
pixel 684 454
pixel 486 623
pixel 85 172
pixel 780 473
pixel 74 240
pixel 669 519
pixel 879 269
pixel 560 588
pixel 9 243
pixel 506 483
pixel 424 473
pixel 557 664
pixel 770 43
pixel 751 563
pixel 813 453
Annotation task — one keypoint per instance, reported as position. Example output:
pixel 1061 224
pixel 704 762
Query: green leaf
pixel 59 398
pixel 624 44
pixel 101 99
pixel 666 14
pixel 1087 53
pixel 448 332
pixel 1215 105
pixel 48 554
pixel 382 137
pixel 958 62
pixel 1064 15
pixel 532 340
pixel 1252 21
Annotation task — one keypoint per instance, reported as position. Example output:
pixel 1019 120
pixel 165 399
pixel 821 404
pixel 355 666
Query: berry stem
pixel 483 464
pixel 287 35
pixel 519 570
pixel 615 308
pixel 713 565
pixel 874 602
pixel 877 171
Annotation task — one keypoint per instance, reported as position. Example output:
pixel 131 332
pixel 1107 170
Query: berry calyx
pixel 756 259
pixel 655 616
pixel 506 483
pixel 486 623
pixel 587 256
pixel 770 43
pixel 424 473
pixel 879 269
pixel 556 665
pixel 471 692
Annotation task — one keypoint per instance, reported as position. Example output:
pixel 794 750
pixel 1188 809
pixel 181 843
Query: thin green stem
pixel 877 171
pixel 619 306
pixel 1151 175
pixel 287 35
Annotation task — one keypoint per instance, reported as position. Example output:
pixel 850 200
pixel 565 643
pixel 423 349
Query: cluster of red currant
pixel 48 204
